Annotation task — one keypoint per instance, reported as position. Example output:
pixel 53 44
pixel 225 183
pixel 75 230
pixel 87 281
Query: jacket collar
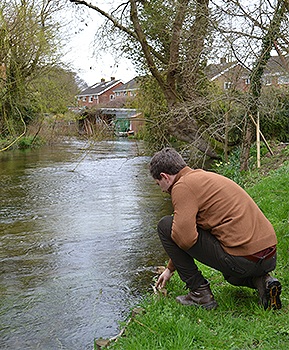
pixel 181 173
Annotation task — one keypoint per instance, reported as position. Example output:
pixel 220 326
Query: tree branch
pixel 175 45
pixel 145 47
pixel 119 26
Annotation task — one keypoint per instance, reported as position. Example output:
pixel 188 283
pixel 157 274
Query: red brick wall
pixel 137 123
pixel 105 97
pixel 234 76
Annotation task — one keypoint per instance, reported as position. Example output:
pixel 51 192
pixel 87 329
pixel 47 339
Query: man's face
pixel 165 182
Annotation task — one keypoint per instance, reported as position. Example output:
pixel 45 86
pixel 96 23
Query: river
pixel 78 243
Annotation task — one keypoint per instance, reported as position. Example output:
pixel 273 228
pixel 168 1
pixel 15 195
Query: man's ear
pixel 165 176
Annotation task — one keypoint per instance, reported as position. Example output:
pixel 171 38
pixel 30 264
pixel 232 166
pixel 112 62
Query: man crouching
pixel 217 223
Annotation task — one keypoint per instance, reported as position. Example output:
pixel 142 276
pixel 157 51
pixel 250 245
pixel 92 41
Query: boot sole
pixel 210 306
pixel 273 291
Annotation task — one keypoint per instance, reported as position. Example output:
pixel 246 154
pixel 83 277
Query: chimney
pixel 102 80
pixel 112 78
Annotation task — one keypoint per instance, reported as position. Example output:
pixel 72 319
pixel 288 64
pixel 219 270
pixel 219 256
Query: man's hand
pixel 164 277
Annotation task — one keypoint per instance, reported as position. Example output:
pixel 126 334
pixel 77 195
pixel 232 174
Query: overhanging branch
pixel 118 25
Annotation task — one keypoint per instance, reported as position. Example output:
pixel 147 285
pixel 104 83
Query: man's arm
pixel 184 229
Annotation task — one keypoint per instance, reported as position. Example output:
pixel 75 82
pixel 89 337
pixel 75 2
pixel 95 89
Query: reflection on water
pixel 77 248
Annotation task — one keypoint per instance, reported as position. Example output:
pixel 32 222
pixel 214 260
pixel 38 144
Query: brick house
pixel 276 72
pixel 234 75
pixel 127 90
pixel 98 93
pixel 115 111
pixel 228 75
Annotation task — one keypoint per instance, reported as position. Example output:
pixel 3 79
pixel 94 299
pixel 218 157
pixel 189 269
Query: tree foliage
pixel 55 90
pixel 173 41
pixel 29 43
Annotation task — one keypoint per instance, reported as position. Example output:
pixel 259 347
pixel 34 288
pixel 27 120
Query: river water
pixel 78 243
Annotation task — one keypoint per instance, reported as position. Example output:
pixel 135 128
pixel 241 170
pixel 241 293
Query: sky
pixel 79 48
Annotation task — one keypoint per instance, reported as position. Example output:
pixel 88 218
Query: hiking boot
pixel 201 297
pixel 269 290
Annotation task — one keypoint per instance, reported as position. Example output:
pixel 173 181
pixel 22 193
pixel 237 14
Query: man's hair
pixel 168 161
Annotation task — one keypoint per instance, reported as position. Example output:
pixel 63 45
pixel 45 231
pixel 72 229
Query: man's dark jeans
pixel 237 270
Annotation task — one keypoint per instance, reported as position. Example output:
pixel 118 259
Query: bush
pixel 231 169
pixel 29 141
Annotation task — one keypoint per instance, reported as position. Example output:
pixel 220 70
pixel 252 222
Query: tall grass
pixel 239 322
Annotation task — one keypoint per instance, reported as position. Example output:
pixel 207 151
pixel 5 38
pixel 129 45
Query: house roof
pixel 99 88
pixel 130 85
pixel 120 113
pixel 277 65
pixel 214 71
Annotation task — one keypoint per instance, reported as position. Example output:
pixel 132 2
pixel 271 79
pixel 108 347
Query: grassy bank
pixel 239 322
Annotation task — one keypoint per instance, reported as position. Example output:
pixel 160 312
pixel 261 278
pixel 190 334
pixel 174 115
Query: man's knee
pixel 165 226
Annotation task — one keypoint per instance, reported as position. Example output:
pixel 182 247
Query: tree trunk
pixel 177 80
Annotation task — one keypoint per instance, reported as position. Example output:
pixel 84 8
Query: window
pixel 266 80
pixel 227 85
pixel 118 93
pixel 125 93
pixel 111 97
pixel 90 98
pixel 84 98
pixel 247 81
pixel 283 79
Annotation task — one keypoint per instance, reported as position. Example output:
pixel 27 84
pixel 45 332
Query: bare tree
pixel 172 53
pixel 270 36
pixel 259 27
pixel 174 40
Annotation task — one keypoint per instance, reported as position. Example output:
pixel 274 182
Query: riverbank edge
pixel 148 306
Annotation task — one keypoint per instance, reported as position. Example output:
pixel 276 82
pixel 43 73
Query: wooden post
pixel 258 141
pixel 260 132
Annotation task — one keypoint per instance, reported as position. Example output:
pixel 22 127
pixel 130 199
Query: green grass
pixel 239 322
